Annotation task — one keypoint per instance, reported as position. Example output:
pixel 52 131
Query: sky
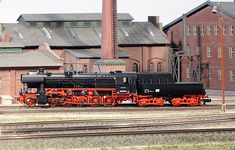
pixel 168 10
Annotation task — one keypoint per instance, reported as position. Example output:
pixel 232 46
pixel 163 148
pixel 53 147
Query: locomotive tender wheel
pixel 200 103
pixel 159 101
pixel 192 102
pixel 141 104
pixel 176 102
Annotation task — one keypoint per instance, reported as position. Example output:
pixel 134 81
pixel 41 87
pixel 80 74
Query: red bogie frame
pixel 190 100
pixel 28 99
pixel 104 97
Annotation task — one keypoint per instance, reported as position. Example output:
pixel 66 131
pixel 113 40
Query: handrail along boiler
pixel 108 89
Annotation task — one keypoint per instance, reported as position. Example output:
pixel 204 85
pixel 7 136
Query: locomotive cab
pixel 125 82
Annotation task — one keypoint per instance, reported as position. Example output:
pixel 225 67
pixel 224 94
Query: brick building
pixel 14 61
pixel 197 34
pixel 75 40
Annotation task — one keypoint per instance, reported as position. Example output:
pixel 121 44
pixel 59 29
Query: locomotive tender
pixel 108 89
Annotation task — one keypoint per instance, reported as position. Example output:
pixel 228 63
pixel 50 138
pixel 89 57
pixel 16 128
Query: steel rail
pixel 111 109
pixel 106 127
pixel 115 120
pixel 119 133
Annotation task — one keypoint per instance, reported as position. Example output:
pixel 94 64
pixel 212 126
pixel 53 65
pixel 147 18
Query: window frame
pixel 231 30
pixel 209 52
pixel 188 30
pixel 231 74
pixel 216 30
pixel 160 67
pixel 151 67
pixel 208 29
pixel 135 67
pixel 224 29
pixel 219 52
pixel 210 73
pixel 219 74
pixel 202 30
pixel 231 52
pixel 188 72
pixel 194 30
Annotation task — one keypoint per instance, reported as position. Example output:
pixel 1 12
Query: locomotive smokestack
pixel 109 44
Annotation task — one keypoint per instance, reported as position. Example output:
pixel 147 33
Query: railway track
pixel 119 133
pixel 25 110
pixel 33 130
pixel 111 127
pixel 160 118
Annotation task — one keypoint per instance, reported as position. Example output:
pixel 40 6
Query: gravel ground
pixel 166 127
pixel 116 141
pixel 105 115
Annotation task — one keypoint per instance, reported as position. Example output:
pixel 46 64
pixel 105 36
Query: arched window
pixel 84 68
pixel 159 67
pixel 151 67
pixel 135 67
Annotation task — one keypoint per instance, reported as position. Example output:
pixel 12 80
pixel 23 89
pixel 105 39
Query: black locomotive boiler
pixel 108 89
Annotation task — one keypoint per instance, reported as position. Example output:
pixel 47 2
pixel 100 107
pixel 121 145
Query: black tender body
pixel 163 85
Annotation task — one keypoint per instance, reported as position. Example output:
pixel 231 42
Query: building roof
pixel 11 45
pixel 69 17
pixel 228 8
pixel 110 62
pixel 138 33
pixel 29 59
pixel 93 53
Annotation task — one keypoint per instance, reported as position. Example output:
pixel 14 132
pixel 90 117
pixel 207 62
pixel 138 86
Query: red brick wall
pixel 139 55
pixel 10 78
pixel 145 55
pixel 205 17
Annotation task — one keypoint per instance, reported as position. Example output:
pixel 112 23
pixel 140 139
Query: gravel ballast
pixel 119 142
pixel 115 142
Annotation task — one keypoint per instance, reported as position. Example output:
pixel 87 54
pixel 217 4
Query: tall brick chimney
pixel 155 20
pixel 109 44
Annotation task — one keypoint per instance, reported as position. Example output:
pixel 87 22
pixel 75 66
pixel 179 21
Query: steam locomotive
pixel 108 89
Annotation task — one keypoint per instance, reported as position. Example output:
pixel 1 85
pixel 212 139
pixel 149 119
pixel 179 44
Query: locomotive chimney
pixel 109 44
